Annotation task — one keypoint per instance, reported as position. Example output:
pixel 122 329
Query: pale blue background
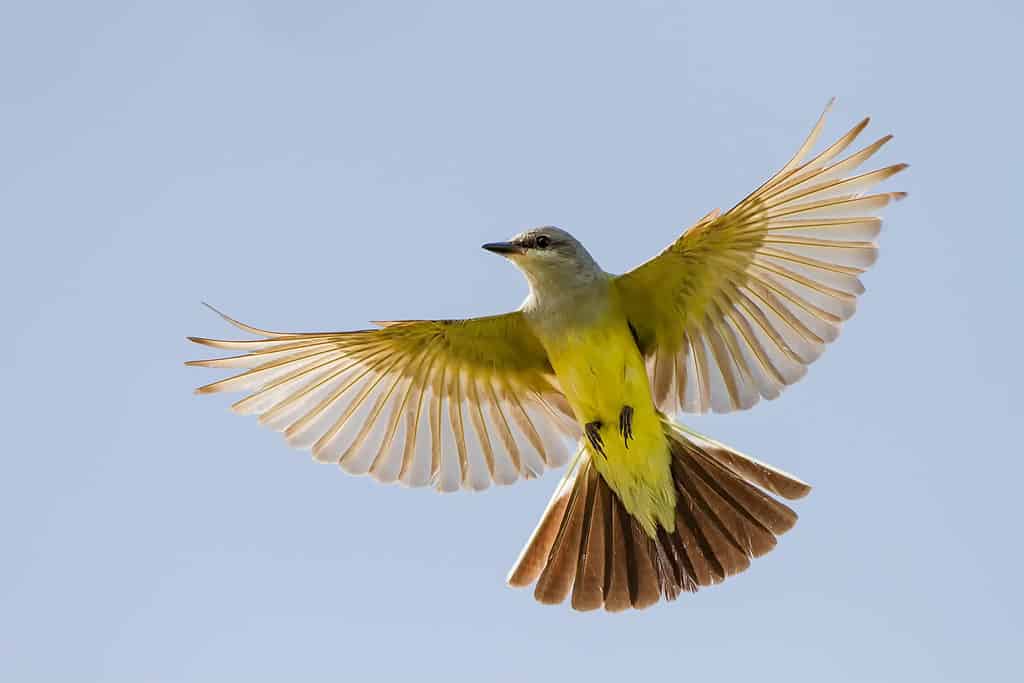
pixel 317 165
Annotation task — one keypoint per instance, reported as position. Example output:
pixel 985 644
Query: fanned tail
pixel 589 546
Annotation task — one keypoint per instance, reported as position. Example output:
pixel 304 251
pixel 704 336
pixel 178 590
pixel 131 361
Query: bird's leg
pixel 626 424
pixel 593 431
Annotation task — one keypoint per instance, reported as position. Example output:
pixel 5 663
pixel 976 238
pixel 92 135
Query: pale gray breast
pixel 558 307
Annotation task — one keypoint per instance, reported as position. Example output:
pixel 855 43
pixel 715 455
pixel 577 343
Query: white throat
pixel 557 299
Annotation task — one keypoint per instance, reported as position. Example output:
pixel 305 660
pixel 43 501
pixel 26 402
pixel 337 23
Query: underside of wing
pixel 452 404
pixel 741 304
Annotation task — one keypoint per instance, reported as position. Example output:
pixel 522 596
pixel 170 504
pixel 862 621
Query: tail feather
pixel 534 556
pixel 558 576
pixel 769 478
pixel 630 579
pixel 588 588
pixel 588 545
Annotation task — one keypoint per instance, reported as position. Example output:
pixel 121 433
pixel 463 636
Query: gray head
pixel 549 257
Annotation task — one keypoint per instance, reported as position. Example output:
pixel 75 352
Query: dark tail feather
pixel 587 543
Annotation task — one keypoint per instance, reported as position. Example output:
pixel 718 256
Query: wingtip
pixel 224 315
pixel 202 341
pixel 212 308
pixel 239 324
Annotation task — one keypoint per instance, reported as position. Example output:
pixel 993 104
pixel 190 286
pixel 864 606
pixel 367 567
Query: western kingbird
pixel 732 311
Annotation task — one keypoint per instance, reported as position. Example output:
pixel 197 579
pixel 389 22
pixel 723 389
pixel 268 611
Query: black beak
pixel 503 248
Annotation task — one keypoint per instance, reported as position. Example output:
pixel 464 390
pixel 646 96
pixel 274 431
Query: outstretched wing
pixel 739 305
pixel 451 403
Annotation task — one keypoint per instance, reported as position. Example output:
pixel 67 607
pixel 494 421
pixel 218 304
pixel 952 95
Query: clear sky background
pixel 318 165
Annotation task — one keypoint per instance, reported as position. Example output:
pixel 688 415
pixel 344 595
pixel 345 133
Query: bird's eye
pixel 542 241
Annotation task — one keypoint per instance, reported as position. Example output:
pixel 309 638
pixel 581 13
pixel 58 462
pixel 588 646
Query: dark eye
pixel 543 241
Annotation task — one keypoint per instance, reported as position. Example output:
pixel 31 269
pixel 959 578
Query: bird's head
pixel 549 257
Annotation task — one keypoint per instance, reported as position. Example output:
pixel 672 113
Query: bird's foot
pixel 626 424
pixel 593 431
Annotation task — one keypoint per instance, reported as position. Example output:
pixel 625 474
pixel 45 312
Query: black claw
pixel 593 430
pixel 626 424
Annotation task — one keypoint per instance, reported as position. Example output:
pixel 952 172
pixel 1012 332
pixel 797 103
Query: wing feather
pixel 458 403
pixel 739 305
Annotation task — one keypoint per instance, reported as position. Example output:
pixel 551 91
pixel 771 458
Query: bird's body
pixel 588 340
pixel 731 312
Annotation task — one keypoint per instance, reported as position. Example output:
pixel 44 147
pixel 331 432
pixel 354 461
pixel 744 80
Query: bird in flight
pixel 732 311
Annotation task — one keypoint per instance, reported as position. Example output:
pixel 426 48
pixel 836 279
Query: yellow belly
pixel 601 371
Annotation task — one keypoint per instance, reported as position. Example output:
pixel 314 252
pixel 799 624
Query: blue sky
pixel 318 165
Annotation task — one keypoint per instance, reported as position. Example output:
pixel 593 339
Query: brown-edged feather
pixel 589 546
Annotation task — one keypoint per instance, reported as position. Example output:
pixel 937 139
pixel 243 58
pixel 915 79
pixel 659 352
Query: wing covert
pixel 737 307
pixel 450 403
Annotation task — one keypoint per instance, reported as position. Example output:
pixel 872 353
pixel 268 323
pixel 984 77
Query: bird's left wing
pixel 450 403
pixel 740 304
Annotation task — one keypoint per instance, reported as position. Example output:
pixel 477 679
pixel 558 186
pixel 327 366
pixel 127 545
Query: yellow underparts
pixel 601 371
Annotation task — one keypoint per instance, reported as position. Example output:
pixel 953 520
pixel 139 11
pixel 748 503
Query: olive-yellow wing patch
pixel 449 403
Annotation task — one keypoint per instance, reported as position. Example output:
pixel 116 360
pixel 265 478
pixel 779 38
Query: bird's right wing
pixel 451 403
pixel 739 305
